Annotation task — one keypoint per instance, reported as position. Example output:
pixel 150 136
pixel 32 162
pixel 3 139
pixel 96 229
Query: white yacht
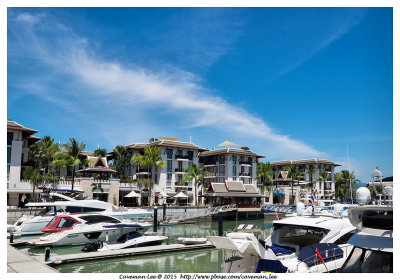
pixel 373 245
pixel 292 246
pixel 132 240
pixel 59 203
pixel 75 229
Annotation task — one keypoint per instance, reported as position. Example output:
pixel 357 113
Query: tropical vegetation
pixel 295 175
pixel 265 176
pixel 193 172
pixel 72 157
pixel 344 180
pixel 121 161
pixel 100 152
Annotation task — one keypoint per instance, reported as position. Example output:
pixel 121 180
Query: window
pixel 234 170
pixel 169 153
pixel 169 165
pixel 94 219
pixel 221 160
pixel 190 155
pixel 65 223
pixel 10 136
pixel 234 159
pixel 345 238
pixel 234 178
pixel 222 170
pixel 179 152
pixel 8 154
pixel 169 177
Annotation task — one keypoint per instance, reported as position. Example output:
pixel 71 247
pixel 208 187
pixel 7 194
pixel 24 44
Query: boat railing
pixel 330 255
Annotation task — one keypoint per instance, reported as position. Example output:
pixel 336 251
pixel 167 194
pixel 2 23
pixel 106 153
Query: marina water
pixel 191 261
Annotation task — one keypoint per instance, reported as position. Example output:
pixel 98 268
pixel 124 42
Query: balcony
pixel 179 170
pixel 210 175
pixel 183 157
pixel 244 174
pixel 181 184
pixel 210 163
pixel 245 162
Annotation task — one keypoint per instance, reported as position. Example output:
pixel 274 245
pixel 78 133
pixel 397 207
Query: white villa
pixel 19 138
pixel 284 184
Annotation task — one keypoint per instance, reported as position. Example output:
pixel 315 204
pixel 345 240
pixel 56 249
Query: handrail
pixel 316 259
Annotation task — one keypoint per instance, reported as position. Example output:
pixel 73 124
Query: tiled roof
pixel 304 161
pixel 232 151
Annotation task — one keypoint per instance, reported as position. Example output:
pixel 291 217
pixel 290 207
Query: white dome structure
pixel 363 195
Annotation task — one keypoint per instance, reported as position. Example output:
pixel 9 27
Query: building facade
pixel 19 138
pixel 230 164
pixel 323 190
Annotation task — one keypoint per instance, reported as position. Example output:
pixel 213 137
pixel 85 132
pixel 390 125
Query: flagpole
pixel 348 164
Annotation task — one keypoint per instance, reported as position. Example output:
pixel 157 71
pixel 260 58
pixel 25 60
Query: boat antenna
pixel 348 164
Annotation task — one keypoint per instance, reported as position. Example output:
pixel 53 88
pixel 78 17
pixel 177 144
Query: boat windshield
pixel 299 235
pixel 364 261
pixel 52 221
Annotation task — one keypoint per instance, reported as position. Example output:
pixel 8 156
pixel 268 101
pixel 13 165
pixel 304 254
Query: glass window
pixel 169 177
pixel 169 165
pixel 10 136
pixel 65 223
pixel 234 159
pixel 234 170
pixel 221 160
pixel 93 219
pixel 8 154
pixel 190 155
pixel 169 153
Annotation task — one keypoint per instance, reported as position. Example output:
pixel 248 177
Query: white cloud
pixel 29 18
pixel 172 92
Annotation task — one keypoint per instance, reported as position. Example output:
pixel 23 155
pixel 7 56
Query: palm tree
pixel 100 152
pixel 42 153
pixel 342 183
pixel 152 159
pixel 196 173
pixel 34 176
pixel 121 160
pixel 97 186
pixel 265 176
pixel 310 170
pixel 323 175
pixel 294 174
pixel 137 161
pixel 72 157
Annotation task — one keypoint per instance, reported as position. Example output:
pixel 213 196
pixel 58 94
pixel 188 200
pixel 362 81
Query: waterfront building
pixel 168 180
pixel 19 138
pixel 230 164
pixel 306 183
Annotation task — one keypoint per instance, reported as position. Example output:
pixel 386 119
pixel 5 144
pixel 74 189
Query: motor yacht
pixel 56 203
pixel 76 229
pixel 373 244
pixel 292 246
pixel 132 240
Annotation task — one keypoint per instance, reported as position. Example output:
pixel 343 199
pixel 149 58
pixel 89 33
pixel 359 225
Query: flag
pixel 321 258
pixel 312 198
pixel 23 198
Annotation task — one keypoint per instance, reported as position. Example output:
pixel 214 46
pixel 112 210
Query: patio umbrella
pixel 182 195
pixel 227 143
pixel 132 194
pixel 163 195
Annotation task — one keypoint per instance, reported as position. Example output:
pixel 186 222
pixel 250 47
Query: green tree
pixel 72 157
pixel 342 183
pixel 324 176
pixel 310 170
pixel 294 174
pixel 196 173
pixel 121 161
pixel 34 176
pixel 41 154
pixel 265 176
pixel 100 152
pixel 152 159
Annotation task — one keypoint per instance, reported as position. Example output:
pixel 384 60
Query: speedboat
pixel 58 203
pixel 306 242
pixel 76 229
pixel 192 240
pixel 373 244
pixel 132 240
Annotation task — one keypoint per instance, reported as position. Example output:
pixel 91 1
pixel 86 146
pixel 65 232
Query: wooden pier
pixel 79 257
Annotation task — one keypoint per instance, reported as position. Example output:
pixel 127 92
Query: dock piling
pixel 47 254
pixel 220 222
pixel 11 238
pixel 155 222
pixel 164 210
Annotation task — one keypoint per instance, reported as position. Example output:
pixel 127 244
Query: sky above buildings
pixel 290 83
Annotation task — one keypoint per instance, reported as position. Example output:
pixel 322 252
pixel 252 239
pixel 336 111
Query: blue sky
pixel 290 83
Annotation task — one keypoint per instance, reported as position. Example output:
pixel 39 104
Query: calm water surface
pixel 204 260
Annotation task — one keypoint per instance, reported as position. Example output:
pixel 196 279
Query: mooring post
pixel 11 237
pixel 47 254
pixel 155 219
pixel 220 222
pixel 164 210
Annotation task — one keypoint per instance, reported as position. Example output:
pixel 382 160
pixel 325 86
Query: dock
pixel 19 262
pixel 79 257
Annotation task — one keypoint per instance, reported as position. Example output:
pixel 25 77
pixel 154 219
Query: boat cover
pixel 278 250
pixel 328 251
pixel 272 266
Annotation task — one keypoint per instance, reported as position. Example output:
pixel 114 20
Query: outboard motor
pixel 92 247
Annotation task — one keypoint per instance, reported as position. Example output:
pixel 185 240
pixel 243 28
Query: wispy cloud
pixel 137 92
pixel 29 18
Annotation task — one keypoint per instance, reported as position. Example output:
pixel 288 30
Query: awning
pixel 163 195
pixel 181 195
pixel 132 194
pixel 281 193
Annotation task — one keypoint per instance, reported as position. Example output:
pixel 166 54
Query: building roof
pixel 12 125
pixel 235 186
pixel 96 169
pixel 219 187
pixel 177 144
pixel 231 151
pixel 250 188
pixel 304 161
